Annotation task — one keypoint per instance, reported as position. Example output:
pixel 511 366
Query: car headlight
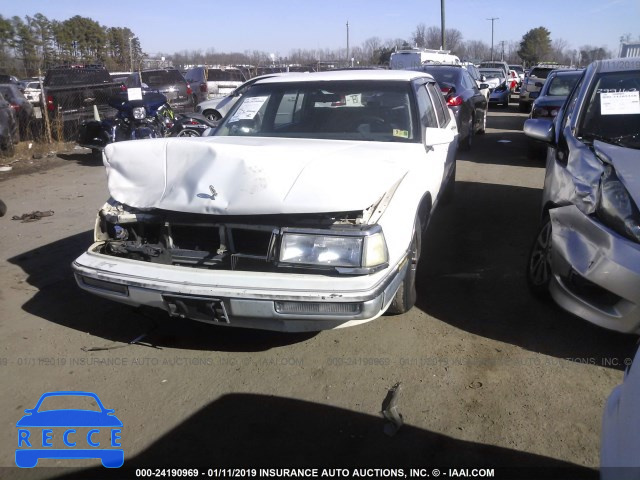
pixel 616 207
pixel 358 250
pixel 139 113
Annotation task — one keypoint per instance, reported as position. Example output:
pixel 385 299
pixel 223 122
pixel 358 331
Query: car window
pixel 540 72
pixel 446 76
pixel 340 110
pixel 289 107
pixel 438 101
pixel 162 77
pixel 76 76
pixel 561 85
pixel 468 81
pixel 428 117
pixel 215 75
pixel 610 112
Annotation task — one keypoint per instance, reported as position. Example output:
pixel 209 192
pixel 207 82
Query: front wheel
pixel 483 128
pixel 539 265
pixel 405 297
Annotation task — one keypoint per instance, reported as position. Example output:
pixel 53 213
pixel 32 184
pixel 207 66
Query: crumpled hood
pixel 252 176
pixel 626 161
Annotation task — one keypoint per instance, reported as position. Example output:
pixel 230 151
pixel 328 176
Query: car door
pixel 438 136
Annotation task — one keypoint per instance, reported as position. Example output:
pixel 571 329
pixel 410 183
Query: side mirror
pixel 540 129
pixel 483 78
pixel 437 136
pixel 484 85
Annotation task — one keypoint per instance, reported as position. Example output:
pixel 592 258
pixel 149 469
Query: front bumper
pixel 596 272
pixel 499 97
pixel 268 301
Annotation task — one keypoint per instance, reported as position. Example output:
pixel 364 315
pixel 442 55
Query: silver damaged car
pixel 587 251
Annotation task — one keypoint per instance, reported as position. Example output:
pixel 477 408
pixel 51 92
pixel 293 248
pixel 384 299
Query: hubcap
pixel 540 261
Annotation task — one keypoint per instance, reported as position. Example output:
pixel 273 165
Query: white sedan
pixel 304 211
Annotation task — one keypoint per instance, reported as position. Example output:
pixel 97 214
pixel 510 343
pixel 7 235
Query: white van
pixel 416 57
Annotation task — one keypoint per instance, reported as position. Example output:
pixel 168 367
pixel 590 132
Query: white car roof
pixel 390 75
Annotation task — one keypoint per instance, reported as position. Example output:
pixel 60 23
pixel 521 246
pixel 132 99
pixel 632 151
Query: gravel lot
pixel 490 375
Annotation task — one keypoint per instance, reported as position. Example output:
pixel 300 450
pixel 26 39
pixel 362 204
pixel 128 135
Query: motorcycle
pixel 150 116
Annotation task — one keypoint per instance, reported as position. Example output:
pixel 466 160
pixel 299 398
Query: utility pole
pixel 493 19
pixel 502 55
pixel 442 39
pixel 347 43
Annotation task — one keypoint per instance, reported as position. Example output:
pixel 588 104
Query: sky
pixel 279 26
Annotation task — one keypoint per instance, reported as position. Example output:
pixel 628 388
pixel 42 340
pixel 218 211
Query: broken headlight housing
pixel 139 113
pixel 358 251
pixel 616 208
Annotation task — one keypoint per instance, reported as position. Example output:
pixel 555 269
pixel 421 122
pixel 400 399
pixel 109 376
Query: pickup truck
pixel 71 92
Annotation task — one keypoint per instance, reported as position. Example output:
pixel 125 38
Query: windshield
pixel 337 110
pixel 159 78
pixel 214 75
pixel 612 114
pixel 561 85
pixel 444 75
pixel 492 73
pixel 76 76
pixel 540 72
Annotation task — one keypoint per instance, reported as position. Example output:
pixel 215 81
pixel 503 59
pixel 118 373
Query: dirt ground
pixel 490 376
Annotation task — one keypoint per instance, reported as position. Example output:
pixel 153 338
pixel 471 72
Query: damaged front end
pixel 596 250
pixel 330 243
pixel 284 272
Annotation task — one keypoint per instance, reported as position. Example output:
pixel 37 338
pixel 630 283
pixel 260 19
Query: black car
pixel 9 135
pixel 169 82
pixel 463 97
pixel 20 105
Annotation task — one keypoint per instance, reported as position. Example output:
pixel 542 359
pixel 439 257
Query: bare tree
pixel 419 36
pixel 559 51
pixel 369 47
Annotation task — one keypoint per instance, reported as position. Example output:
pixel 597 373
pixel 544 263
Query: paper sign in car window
pixel 134 94
pixel 620 103
pixel 249 108
pixel 353 100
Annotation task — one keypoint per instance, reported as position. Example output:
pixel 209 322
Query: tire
pixel 483 129
pixel 539 261
pixel 212 115
pixel 468 140
pixel 405 297
pixel 523 107
pixel 96 154
pixel 187 132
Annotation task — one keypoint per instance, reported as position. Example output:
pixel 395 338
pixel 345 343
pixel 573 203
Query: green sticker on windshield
pixel 400 133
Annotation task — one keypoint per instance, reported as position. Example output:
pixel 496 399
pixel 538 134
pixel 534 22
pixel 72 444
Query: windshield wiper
pixel 617 140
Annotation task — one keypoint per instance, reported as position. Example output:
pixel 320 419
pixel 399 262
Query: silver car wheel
pixel 539 267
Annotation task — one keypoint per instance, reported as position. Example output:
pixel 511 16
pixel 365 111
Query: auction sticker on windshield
pixel 249 108
pixel 620 103
pixel 53 430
